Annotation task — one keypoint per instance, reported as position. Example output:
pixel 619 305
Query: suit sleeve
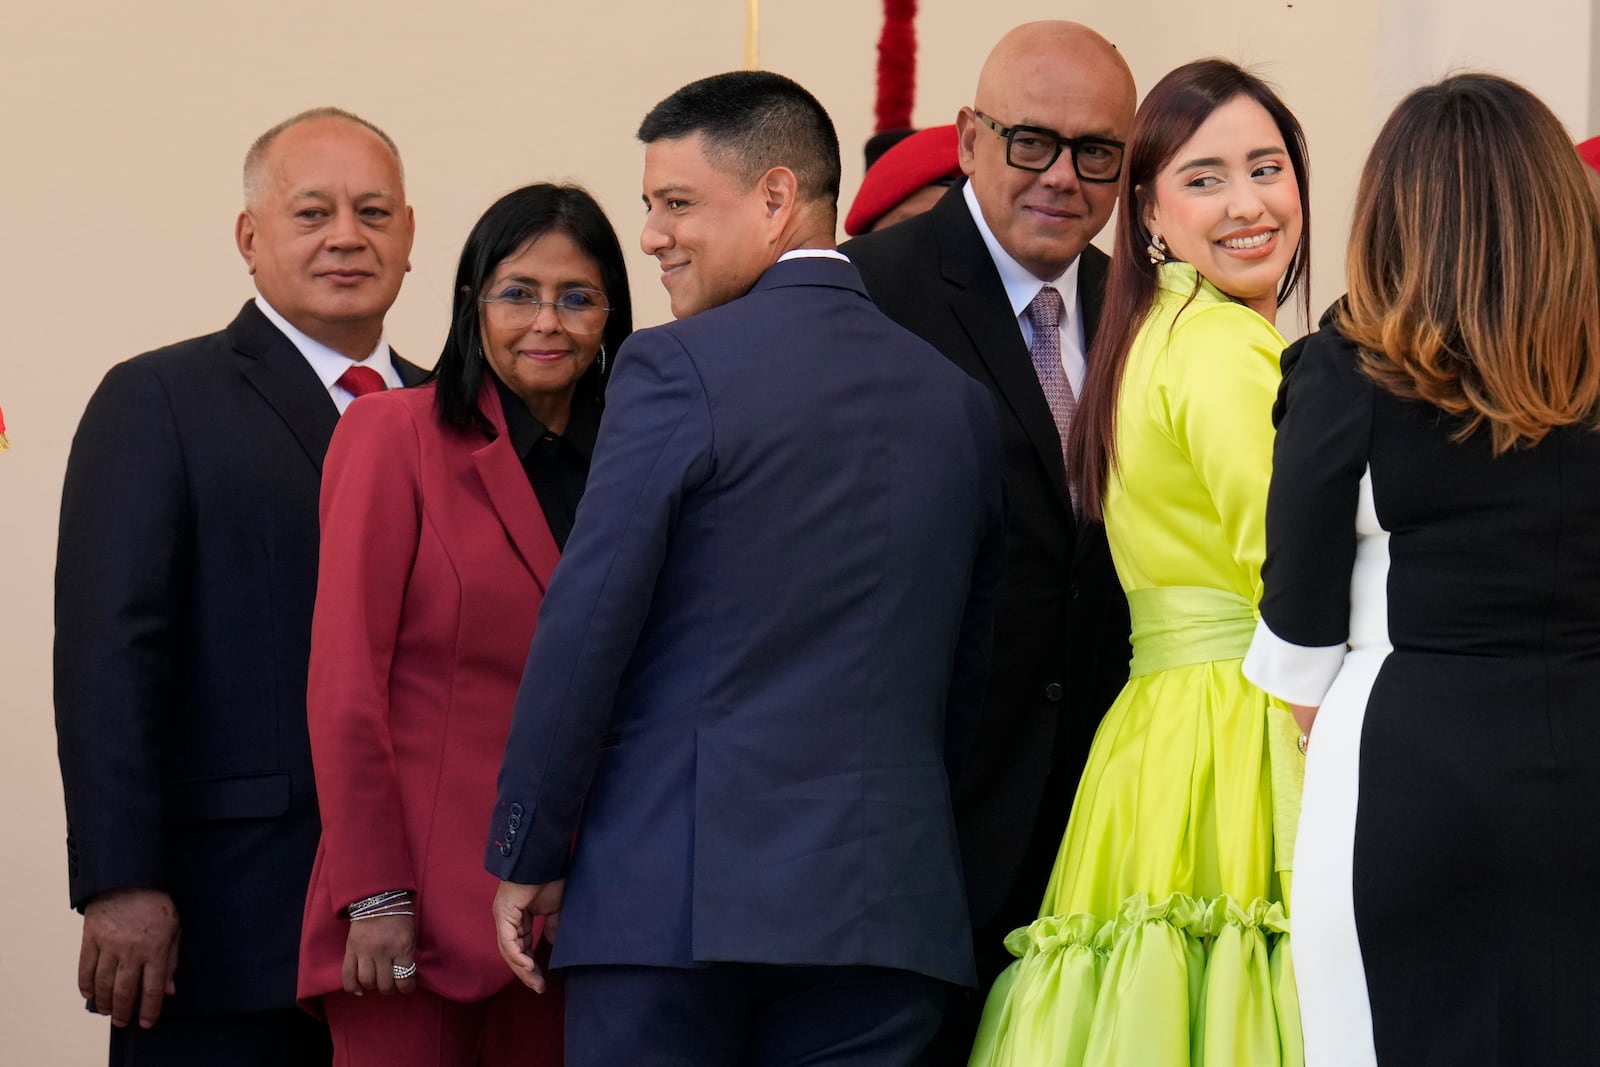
pixel 655 446
pixel 1221 379
pixel 371 521
pixel 970 677
pixel 122 585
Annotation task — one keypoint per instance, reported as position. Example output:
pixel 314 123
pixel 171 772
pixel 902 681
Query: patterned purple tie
pixel 1044 313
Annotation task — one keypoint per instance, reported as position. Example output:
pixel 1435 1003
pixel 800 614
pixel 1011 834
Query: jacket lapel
pixel 276 369
pixel 1093 266
pixel 511 496
pixel 979 302
pixel 410 373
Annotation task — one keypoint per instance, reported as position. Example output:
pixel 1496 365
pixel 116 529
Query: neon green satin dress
pixel 1163 936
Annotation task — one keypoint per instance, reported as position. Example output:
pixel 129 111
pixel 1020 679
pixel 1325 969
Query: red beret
pixel 1590 151
pixel 921 159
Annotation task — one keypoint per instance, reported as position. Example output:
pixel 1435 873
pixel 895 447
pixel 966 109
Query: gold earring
pixel 1156 249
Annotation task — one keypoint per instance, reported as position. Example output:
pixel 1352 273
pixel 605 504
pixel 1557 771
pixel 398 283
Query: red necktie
pixel 359 381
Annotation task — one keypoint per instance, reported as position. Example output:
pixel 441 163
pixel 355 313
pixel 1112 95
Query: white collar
pixel 1020 283
pixel 329 364
pixel 813 253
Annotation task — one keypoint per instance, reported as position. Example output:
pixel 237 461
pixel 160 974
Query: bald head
pixel 258 158
pixel 1064 78
pixel 1037 50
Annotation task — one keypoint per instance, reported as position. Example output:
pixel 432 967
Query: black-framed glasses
pixel 579 310
pixel 1094 159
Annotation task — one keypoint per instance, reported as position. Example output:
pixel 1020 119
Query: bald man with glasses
pixel 1001 278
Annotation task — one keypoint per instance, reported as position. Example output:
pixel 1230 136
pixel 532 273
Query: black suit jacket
pixel 1061 642
pixel 185 577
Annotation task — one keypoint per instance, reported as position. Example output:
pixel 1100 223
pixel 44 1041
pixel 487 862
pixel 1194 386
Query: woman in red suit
pixel 444 509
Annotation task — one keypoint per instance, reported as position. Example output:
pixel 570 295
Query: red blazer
pixel 435 555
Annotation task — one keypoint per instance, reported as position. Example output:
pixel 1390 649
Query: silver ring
pixel 407 971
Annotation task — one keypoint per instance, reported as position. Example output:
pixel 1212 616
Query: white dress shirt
pixel 813 253
pixel 1021 287
pixel 329 364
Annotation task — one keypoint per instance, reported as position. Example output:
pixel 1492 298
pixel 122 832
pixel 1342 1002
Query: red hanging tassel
pixel 897 65
pixel 4 444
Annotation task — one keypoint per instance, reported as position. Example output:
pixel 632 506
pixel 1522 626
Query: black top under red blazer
pixel 1061 640
pixel 185 577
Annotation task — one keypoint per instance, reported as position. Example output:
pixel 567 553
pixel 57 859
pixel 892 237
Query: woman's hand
pixel 372 951
pixel 1304 716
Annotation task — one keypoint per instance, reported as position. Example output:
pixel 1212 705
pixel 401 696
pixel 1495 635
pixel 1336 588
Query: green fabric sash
pixel 1179 625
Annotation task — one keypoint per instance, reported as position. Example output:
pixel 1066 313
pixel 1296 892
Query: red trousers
pixel 514 1028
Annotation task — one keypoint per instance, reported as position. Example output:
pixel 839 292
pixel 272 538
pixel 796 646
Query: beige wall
pixel 122 128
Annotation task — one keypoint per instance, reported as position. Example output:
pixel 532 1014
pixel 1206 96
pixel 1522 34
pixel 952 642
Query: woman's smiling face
pixel 1229 203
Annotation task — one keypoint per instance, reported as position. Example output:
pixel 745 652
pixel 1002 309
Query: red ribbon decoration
pixel 897 65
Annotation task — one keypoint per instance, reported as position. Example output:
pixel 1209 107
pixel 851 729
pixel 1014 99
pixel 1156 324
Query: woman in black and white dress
pixel 1432 600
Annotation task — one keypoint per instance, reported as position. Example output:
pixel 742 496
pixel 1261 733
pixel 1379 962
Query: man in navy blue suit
pixel 765 647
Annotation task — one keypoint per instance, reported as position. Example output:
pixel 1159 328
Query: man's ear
pixel 966 137
pixel 411 234
pixel 780 190
pixel 244 235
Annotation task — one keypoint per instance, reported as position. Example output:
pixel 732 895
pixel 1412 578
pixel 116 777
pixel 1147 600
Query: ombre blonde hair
pixel 1474 262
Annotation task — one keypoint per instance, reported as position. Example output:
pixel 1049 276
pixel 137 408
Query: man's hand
pixel 129 954
pixel 515 907
pixel 372 950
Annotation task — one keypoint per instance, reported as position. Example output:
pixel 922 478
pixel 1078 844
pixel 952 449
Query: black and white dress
pixel 1442 606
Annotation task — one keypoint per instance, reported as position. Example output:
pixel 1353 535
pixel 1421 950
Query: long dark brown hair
pixel 1474 262
pixel 1175 109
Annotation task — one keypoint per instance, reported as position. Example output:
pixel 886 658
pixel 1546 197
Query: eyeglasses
pixel 1094 159
pixel 578 310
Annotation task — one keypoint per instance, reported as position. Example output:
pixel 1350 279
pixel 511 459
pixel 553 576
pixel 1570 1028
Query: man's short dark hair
pixel 752 121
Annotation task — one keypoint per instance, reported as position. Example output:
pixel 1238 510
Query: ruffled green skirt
pixel 1163 939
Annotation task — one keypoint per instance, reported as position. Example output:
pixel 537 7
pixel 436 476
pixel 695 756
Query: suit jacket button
pixel 505 849
pixel 1072 591
pixel 516 809
pixel 515 821
pixel 1052 692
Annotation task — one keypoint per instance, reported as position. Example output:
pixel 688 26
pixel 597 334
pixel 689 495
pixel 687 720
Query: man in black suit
pixel 1041 147
pixel 185 578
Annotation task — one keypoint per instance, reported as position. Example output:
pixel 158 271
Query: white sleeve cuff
pixel 1293 673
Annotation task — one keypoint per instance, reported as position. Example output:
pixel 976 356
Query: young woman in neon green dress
pixel 1162 938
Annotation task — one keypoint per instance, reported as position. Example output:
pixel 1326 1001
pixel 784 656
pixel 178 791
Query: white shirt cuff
pixel 1293 673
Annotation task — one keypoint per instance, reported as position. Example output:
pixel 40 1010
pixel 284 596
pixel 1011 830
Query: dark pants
pixel 750 1015
pixel 286 1038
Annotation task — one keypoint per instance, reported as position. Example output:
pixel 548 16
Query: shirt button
pixel 1052 692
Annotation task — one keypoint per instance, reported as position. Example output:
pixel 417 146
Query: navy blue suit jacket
pixel 768 631
pixel 185 576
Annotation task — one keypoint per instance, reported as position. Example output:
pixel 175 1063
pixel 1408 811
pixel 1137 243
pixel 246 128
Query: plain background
pixel 122 129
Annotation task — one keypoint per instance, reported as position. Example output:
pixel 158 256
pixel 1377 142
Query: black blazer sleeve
pixel 120 585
